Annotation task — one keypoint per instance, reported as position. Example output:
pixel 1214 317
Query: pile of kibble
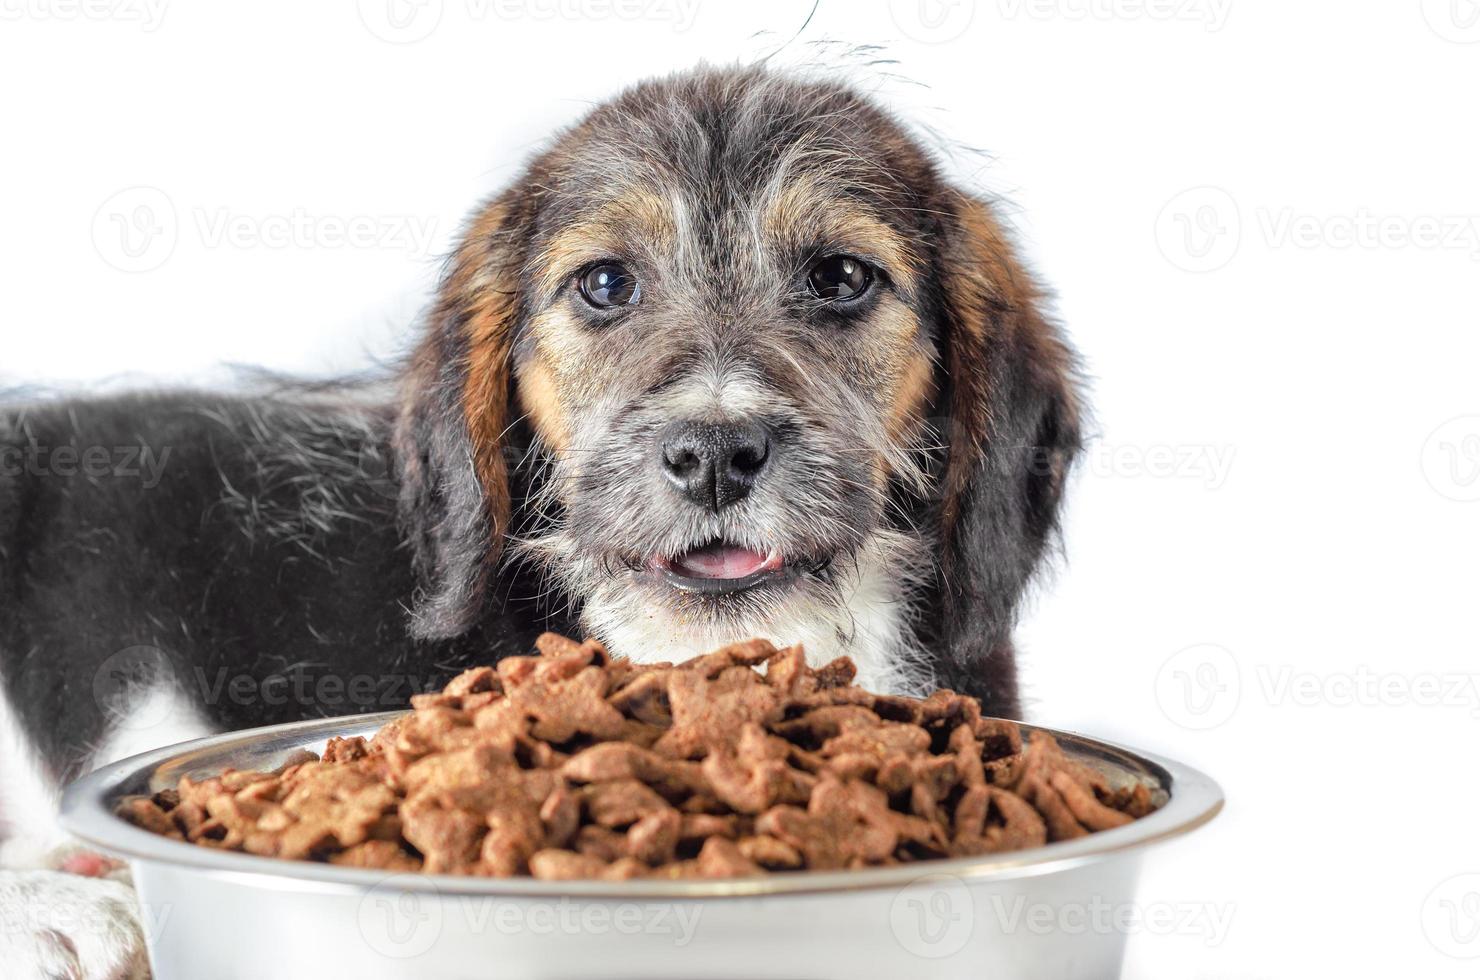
pixel 572 764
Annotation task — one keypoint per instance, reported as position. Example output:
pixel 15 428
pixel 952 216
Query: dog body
pixel 731 358
pixel 218 597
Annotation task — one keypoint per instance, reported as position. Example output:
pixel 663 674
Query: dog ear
pixel 454 420
pixel 1011 396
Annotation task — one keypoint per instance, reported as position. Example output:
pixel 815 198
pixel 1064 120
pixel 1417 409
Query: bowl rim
pixel 87 813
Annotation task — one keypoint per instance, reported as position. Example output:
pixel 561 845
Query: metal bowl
pixel 1041 913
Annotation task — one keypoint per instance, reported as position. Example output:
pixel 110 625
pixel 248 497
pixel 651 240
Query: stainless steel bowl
pixel 1045 913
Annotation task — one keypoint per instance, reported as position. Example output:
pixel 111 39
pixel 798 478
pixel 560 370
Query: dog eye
pixel 609 284
pixel 839 277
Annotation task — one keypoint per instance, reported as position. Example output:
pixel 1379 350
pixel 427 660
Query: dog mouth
pixel 719 568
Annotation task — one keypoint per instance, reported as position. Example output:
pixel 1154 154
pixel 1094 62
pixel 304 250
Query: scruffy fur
pixel 504 481
pixel 923 443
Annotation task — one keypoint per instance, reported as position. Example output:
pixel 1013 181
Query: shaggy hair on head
pixel 923 438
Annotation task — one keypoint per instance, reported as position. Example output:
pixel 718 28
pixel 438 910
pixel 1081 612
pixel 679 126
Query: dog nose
pixel 715 465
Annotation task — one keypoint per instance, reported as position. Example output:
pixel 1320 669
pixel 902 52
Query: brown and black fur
pixel 500 488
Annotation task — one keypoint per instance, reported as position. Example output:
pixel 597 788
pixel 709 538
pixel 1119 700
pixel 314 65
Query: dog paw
pixel 58 926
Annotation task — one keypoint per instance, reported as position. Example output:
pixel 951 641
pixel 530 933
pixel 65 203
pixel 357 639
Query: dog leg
pixel 66 912
pixel 59 925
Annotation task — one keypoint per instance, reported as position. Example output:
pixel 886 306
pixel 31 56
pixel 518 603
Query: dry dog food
pixel 571 764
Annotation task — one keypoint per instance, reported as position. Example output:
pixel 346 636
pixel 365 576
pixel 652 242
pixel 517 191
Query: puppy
pixel 731 358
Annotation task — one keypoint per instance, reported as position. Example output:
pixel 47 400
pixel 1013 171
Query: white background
pixel 1263 223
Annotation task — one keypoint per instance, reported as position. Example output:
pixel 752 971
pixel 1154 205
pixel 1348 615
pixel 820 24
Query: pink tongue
pixel 720 561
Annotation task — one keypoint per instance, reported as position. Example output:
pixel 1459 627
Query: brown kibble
pixel 345 749
pixel 771 852
pixel 626 868
pixel 933 775
pixel 515 833
pixel 383 855
pixel 1090 812
pixel 620 802
pixel 823 697
pixel 654 838
pixel 885 739
pixel 475 680
pixel 755 774
pixel 1134 800
pixel 448 838
pixel 639 733
pixel 553 646
pixel 1055 812
pixel 144 812
pixel 786 670
pixel 1044 756
pixel 854 765
pixel 557 865
pixel 842 822
pixel 677 871
pixel 645 698
pixel 748 653
pixel 600 842
pixel 620 760
pixel 829 721
pixel 720 858
pixel 572 765
pixel 703 802
pixel 558 701
pixel 948 709
pixel 836 673
pixel 700 826
pixel 708 712
pixel 989 819
pixel 561 815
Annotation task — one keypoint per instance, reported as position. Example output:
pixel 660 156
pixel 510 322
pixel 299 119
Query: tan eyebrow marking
pixel 802 212
pixel 634 215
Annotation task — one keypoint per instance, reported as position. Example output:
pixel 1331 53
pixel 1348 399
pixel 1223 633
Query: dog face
pixel 725 353
pixel 746 328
